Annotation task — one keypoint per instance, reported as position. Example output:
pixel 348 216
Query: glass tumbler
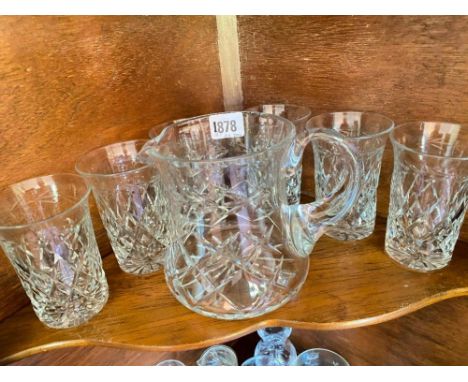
pixel 47 234
pixel 130 204
pixel 298 115
pixel 429 193
pixel 367 133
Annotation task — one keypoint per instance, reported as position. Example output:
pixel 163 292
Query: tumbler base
pixel 416 262
pixel 350 235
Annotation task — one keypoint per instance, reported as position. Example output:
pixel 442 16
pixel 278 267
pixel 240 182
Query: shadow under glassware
pixel 367 133
pixel 298 115
pixel 240 250
pixel 47 234
pixel 320 357
pixel 130 204
pixel 429 193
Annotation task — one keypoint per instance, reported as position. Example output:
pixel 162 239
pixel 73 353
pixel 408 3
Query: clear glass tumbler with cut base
pixel 47 234
pixel 429 193
pixel 368 134
pixel 130 204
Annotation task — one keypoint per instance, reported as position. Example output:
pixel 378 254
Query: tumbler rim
pixel 395 142
pixel 388 130
pixel 170 158
pixel 83 156
pixel 306 117
pixel 79 201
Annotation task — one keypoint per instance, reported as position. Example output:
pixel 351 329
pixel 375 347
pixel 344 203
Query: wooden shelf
pixel 349 285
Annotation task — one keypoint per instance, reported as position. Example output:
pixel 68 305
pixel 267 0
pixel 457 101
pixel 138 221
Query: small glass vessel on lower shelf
pixel 219 355
pixel 261 360
pixel 170 362
pixel 275 344
pixel 320 357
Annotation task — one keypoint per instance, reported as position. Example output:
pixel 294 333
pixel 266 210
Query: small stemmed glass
pixel 170 362
pixel 219 355
pixel 320 357
pixel 274 349
pixel 275 345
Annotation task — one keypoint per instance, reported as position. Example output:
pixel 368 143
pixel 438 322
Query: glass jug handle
pixel 305 223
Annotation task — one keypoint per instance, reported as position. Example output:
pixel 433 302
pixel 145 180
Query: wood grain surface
pixel 435 335
pixel 408 68
pixel 72 83
pixel 103 356
pixel 349 285
pixel 100 356
pixel 68 84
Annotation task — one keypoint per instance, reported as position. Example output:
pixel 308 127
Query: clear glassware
pixel 156 130
pixel 170 362
pixel 47 234
pixel 277 347
pixel 299 116
pixel 282 331
pixel 320 357
pixel 261 360
pixel 368 134
pixel 239 249
pixel 429 193
pixel 130 204
pixel 218 355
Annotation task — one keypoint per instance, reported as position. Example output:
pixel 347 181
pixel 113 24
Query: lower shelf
pixel 349 285
pixel 431 336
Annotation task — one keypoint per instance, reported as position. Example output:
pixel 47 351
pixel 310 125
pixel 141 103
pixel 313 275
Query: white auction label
pixel 227 125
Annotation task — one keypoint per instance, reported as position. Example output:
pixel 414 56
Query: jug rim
pixel 387 130
pixel 170 158
pixel 77 203
pixel 398 128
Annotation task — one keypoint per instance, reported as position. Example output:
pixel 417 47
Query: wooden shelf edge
pixel 248 329
pixel 350 285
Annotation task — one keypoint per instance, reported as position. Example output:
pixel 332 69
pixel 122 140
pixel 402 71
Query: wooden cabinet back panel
pixel 408 68
pixel 72 83
pixel 69 84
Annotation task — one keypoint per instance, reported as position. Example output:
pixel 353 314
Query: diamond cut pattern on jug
pixel 229 261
